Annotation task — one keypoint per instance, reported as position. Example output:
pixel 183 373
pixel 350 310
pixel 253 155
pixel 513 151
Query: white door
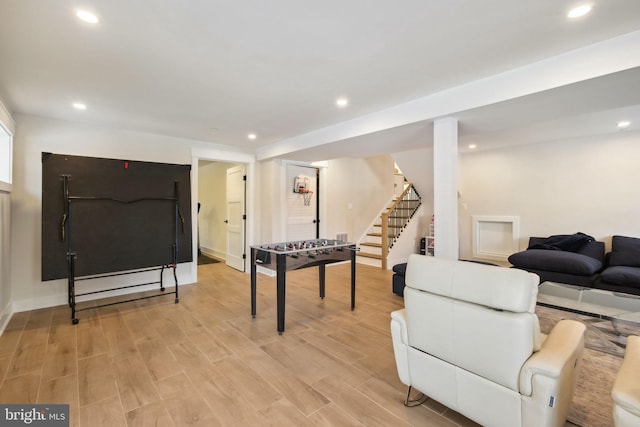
pixel 235 217
pixel 302 212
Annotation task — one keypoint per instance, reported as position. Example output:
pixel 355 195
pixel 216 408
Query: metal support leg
pixel 406 400
pixel 353 279
pixel 281 289
pixel 175 278
pixel 321 271
pixel 71 260
pixel 253 282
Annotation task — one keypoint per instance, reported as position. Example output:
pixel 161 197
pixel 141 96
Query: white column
pixel 445 187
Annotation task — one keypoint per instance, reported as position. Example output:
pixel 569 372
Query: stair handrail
pixel 386 245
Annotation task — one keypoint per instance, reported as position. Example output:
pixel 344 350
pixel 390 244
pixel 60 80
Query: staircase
pixel 393 220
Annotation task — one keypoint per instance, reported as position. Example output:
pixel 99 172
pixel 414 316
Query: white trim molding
pixel 495 237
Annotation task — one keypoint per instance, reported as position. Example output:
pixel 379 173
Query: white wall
pixel 271 198
pixel 7 125
pixel 357 189
pixel 212 194
pixel 366 184
pixel 5 258
pixel 417 166
pixel 591 185
pixel 36 135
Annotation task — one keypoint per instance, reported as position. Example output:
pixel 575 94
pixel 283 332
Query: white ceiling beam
pixel 599 59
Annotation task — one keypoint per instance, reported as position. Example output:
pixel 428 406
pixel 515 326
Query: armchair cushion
pixel 559 261
pixel 501 288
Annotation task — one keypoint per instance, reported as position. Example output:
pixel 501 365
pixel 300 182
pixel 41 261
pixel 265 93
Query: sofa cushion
pixel 625 244
pixel 621 275
pixel 559 261
pixel 629 259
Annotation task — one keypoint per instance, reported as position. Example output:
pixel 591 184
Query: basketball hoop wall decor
pixel 306 195
pixel 301 186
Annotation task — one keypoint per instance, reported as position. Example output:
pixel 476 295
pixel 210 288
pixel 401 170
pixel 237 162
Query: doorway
pixel 222 212
pixel 302 202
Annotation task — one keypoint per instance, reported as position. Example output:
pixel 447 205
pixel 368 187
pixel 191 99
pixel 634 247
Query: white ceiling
pixel 217 70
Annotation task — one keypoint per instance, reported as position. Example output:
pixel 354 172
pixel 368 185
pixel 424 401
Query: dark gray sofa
pixel 618 271
pixel 578 267
pixel 622 272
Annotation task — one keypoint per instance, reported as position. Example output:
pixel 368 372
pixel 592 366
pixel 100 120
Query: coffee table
pixel 623 310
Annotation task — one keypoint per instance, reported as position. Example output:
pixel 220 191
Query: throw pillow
pixel 625 244
pixel 629 259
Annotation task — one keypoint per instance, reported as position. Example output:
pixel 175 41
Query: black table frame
pixel 281 272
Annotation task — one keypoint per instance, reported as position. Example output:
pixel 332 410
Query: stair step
pixel 390 226
pixel 366 255
pixel 401 208
pixel 407 200
pixel 375 245
pixel 379 235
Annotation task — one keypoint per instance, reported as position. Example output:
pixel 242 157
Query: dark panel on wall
pixel 122 214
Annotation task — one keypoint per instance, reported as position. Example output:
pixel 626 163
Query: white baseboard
pixel 213 253
pixel 5 316
pixel 184 278
pixel 265 271
pixel 39 302
pixel 369 261
pixel 273 273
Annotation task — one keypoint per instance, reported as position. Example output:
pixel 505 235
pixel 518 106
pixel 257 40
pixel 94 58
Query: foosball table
pixel 287 256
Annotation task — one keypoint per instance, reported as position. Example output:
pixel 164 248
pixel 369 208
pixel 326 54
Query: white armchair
pixel 469 338
pixel 626 388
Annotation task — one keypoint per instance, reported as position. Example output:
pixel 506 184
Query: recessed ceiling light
pixel 252 136
pixel 342 102
pixel 579 11
pixel 86 16
pixel 79 106
pixel 472 146
pixel 624 124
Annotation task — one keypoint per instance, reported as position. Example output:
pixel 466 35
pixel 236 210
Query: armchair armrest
pixel 399 318
pixel 400 339
pixel 564 345
pixel 626 390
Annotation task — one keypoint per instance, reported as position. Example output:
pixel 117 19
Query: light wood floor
pixel 206 362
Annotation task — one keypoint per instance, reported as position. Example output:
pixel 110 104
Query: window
pixel 6 151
